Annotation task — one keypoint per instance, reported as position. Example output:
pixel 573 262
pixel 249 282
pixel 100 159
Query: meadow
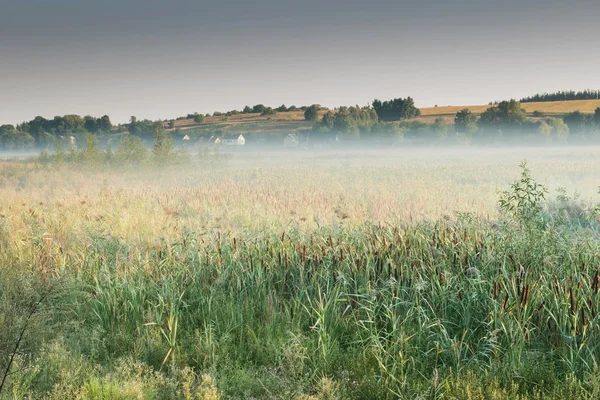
pixel 412 273
pixel 294 120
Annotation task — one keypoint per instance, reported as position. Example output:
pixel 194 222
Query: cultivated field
pixel 549 108
pixel 293 121
pixel 331 275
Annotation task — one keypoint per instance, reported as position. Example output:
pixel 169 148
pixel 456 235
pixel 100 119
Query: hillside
pixel 294 120
pixel 550 108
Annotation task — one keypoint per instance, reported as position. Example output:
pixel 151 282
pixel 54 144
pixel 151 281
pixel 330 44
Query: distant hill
pixel 548 108
pixel 294 120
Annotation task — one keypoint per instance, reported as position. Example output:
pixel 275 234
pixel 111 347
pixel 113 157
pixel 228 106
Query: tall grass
pixel 159 307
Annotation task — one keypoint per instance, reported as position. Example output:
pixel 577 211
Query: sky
pixel 163 59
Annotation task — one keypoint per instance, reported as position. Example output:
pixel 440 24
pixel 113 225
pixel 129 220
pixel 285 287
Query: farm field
pixel 549 108
pixel 294 120
pixel 324 275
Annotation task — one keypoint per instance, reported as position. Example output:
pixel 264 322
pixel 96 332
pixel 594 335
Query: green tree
pixel 60 155
pixel 465 121
pixel 13 139
pixel 328 120
pixel 199 118
pixel 507 114
pixel 312 113
pixel 130 151
pixel 268 111
pixel 91 154
pixel 259 108
pixel 579 123
pixel 396 109
pixel 545 129
pixel 104 124
pixel 560 130
pixel 90 124
pixel 163 148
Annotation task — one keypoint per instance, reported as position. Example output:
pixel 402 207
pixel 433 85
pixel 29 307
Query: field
pixel 294 121
pixel 548 108
pixel 325 275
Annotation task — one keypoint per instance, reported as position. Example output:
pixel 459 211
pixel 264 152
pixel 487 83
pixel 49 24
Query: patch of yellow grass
pixel 550 107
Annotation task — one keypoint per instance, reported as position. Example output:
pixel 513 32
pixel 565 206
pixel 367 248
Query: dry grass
pixel 551 108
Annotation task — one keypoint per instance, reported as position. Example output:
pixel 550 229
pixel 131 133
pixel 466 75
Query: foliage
pixel 579 122
pixel 268 111
pixel 160 300
pixel 563 96
pixel 465 121
pixel 506 114
pixel 163 147
pixel 130 150
pixel 312 113
pixel 199 118
pixel 525 199
pixel 396 109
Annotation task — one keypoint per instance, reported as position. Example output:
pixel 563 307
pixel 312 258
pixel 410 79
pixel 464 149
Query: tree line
pixel 588 94
pixel 392 120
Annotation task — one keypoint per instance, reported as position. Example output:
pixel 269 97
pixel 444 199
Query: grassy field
pixel 549 108
pixel 332 275
pixel 294 121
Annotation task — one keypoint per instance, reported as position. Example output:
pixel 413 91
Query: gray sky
pixel 162 59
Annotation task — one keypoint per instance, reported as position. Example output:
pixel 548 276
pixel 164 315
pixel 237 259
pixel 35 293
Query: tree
pixel 579 122
pixel 13 139
pixel 465 121
pixel 344 123
pixel 505 114
pixel 199 118
pixel 163 146
pixel 259 108
pixel 312 113
pixel 545 129
pixel 396 109
pixel 282 108
pixel 104 124
pixel 268 111
pixel 560 130
pixel 130 150
pixel 247 110
pixel 327 120
pixel 91 154
pixel 90 124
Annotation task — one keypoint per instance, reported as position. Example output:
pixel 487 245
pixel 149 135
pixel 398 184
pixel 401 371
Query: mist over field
pixel 315 200
pixel 335 272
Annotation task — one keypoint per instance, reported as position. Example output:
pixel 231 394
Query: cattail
pixel 496 289
pixel 527 289
pixel 595 283
pixel 572 299
pixel 583 319
pixel 505 305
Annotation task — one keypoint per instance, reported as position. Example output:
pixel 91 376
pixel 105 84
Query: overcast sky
pixel 162 59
